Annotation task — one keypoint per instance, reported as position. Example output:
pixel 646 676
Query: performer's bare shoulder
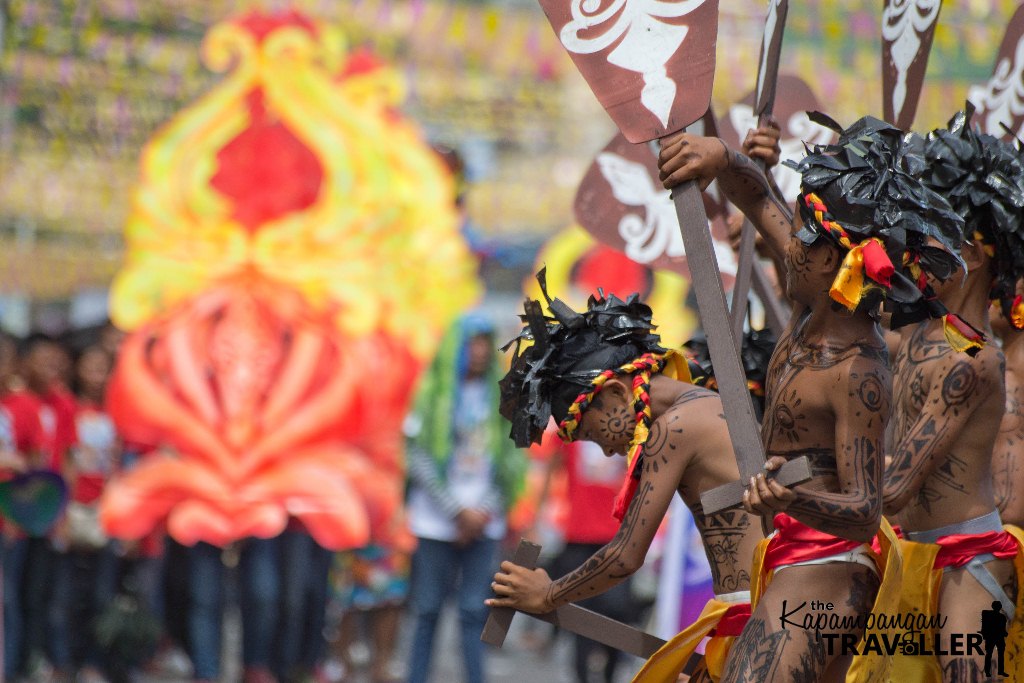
pixel 948 410
pixel 1008 453
pixel 694 429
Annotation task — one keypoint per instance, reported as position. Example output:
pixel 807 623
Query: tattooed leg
pixel 961 600
pixel 701 675
pixel 773 649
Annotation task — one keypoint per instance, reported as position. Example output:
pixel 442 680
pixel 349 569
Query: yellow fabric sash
pixel 921 585
pixel 665 665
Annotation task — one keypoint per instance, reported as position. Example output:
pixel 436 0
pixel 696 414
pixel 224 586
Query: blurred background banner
pixel 86 84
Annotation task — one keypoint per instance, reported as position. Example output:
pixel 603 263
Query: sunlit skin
pixel 1008 453
pixel 947 410
pixel 828 393
pixel 688 452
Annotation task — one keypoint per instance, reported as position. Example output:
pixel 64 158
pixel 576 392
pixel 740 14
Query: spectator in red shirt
pixel 593 482
pixel 20 440
pixel 48 592
pixel 92 562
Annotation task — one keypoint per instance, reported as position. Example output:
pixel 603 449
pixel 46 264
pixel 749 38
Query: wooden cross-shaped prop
pixel 572 618
pixel 652 67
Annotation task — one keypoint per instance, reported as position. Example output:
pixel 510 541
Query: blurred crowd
pixel 79 606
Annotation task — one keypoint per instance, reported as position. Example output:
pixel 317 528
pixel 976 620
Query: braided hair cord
pixel 865 258
pixel 867 266
pixel 642 369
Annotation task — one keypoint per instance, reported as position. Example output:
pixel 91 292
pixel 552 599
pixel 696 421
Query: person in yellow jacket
pixel 948 408
pixel 604 377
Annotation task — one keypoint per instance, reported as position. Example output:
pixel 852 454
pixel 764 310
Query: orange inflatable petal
pixel 135 502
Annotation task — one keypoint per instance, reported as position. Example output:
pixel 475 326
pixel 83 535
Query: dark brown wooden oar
pixel 764 103
pixel 907 32
pixel 998 102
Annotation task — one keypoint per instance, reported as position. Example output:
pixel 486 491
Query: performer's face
pixel 608 421
pixel 809 269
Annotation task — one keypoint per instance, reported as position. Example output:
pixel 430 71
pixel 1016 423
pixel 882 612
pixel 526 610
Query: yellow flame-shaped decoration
pixel 379 243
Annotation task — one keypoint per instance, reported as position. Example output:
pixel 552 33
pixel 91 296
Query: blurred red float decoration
pixel 293 257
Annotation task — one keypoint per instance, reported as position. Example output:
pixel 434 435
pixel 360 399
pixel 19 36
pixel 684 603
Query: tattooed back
pixel 693 433
pixel 948 407
pixel 1008 455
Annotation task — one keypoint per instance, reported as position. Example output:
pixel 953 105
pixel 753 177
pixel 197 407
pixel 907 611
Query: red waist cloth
pixel 956 550
pixel 733 621
pixel 796 542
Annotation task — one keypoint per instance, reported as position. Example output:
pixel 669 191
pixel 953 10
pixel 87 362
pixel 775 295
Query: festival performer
pixel 948 407
pixel 1008 454
pixel 861 208
pixel 604 377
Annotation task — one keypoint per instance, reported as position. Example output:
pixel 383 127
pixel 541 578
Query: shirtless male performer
pixel 948 404
pixel 604 377
pixel 1008 454
pixel 861 207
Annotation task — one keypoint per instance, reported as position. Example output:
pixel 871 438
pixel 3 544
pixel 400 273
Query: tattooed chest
pixel 793 414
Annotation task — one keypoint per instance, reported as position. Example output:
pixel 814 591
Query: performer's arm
pixel 533 591
pixel 687 157
pixel 861 409
pixel 961 385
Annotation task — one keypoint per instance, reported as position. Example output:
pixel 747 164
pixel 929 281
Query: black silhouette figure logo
pixel 993 630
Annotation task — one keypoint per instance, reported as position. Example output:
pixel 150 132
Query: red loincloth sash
pixel 796 542
pixel 732 622
pixel 956 550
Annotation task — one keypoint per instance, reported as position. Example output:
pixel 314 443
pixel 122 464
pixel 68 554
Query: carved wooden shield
pixel 1000 102
pixel 622 204
pixel 908 27
pixel 795 99
pixel 651 64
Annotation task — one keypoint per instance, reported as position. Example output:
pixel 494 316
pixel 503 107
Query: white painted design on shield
pixel 770 23
pixel 1001 100
pixel 796 131
pixel 647 43
pixel 903 21
pixel 657 233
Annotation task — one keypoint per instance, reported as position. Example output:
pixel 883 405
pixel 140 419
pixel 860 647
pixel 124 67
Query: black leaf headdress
pixel 557 358
pixel 758 346
pixel 865 193
pixel 561 363
pixel 983 178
